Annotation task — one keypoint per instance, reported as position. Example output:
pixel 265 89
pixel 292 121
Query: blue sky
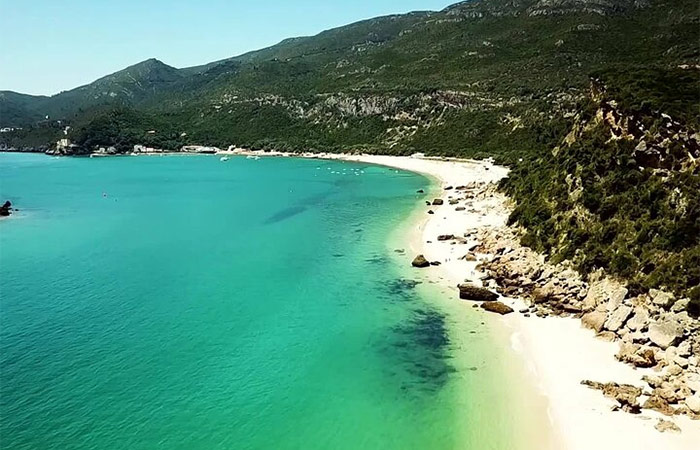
pixel 47 46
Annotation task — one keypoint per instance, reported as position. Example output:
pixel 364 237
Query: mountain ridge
pixel 369 32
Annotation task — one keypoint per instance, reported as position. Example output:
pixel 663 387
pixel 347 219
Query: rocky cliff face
pixel 599 7
pixel 533 8
pixel 660 141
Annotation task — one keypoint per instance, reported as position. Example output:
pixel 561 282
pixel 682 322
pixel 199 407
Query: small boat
pixel 255 157
pixel 224 159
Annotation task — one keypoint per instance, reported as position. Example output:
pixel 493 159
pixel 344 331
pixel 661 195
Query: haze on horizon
pixel 49 47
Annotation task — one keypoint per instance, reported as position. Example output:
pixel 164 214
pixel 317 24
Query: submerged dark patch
pixel 377 259
pixel 419 349
pixel 285 214
pixel 303 204
pixel 399 289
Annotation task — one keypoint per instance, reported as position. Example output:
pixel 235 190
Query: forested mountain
pixel 478 76
pixel 594 103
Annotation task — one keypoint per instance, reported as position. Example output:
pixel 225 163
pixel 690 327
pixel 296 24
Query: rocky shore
pixel 652 330
pixel 619 368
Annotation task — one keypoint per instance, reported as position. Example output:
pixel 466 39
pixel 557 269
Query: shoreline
pixel 559 352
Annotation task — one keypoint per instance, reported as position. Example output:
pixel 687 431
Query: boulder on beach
pixel 438 202
pixel 420 262
pixel 594 320
pixel 605 291
pixel 617 318
pixel 665 333
pixel 470 292
pixel 657 403
pixel 446 237
pixel 666 425
pixel 637 355
pixel 497 307
pixel 693 403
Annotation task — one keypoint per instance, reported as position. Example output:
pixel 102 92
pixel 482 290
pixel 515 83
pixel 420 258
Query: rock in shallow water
pixel 6 209
pixel 420 262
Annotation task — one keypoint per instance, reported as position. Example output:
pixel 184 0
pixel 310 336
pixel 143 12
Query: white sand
pixel 558 351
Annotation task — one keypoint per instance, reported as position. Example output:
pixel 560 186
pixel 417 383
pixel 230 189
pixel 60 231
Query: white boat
pixel 255 157
pixel 224 159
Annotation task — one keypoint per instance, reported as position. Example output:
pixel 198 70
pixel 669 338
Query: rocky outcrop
pixel 476 293
pixel 625 394
pixel 565 7
pixel 6 209
pixel 497 307
pixel 438 202
pixel 420 262
pixel 64 147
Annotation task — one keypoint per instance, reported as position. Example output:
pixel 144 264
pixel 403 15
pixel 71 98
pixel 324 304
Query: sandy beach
pixel 558 352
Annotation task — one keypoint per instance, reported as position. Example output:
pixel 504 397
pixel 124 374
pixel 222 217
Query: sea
pixel 185 302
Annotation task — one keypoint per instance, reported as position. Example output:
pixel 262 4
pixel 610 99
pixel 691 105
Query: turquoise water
pixel 183 302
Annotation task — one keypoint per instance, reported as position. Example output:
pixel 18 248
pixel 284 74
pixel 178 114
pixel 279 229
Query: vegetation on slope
pixel 622 193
